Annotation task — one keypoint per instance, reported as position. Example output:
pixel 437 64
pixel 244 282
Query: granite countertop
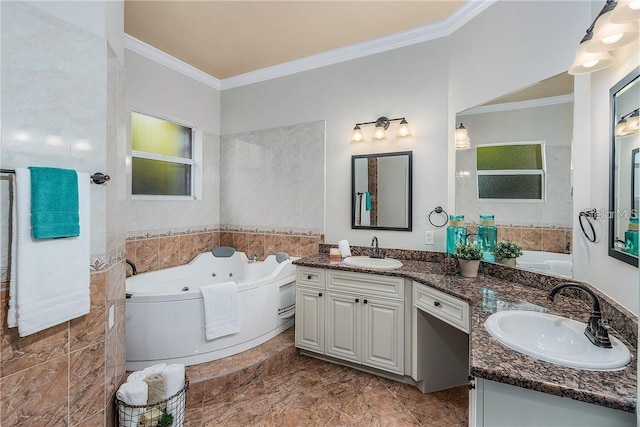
pixel 509 288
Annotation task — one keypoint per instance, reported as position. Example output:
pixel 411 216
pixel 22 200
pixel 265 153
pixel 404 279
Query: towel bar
pixel 97 178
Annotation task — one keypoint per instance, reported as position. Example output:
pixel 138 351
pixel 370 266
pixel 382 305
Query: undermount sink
pixel 555 339
pixel 377 263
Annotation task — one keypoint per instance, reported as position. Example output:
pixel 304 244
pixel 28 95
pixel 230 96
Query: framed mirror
pixel 381 190
pixel 540 113
pixel 624 192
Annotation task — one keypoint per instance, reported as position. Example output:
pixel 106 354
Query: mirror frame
pixel 409 190
pixel 629 259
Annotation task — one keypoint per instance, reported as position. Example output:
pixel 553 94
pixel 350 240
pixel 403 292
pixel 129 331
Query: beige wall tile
pixel 86 382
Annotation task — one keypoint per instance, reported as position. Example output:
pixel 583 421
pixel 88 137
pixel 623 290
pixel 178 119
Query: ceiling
pixel 229 38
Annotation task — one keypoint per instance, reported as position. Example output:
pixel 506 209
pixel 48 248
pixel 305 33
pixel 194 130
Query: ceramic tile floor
pixel 311 392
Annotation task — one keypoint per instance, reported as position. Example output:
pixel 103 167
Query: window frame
pixel 494 172
pixel 161 157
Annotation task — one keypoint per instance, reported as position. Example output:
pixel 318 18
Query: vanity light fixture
pixel 628 124
pixel 603 36
pixel 380 131
pixel 462 138
pixel 625 11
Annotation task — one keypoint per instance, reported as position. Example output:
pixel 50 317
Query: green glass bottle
pixel 456 232
pixel 487 237
pixel 631 237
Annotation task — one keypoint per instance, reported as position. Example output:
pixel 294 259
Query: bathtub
pixel 165 312
pixel 546 262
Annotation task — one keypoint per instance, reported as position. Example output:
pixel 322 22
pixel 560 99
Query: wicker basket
pixel 169 412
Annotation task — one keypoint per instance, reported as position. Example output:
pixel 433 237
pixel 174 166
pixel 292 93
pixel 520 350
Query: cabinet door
pixel 383 334
pixel 343 326
pixel 310 319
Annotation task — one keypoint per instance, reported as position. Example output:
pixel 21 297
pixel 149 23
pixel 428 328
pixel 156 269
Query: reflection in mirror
pixel 541 113
pixel 381 191
pixel 625 191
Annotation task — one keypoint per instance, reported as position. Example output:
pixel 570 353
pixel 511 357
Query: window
pixel 162 157
pixel 511 171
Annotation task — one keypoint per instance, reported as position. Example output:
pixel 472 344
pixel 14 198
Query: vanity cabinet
pixel 358 318
pixel 498 404
pixel 310 309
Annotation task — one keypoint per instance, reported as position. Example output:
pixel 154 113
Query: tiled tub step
pixel 208 380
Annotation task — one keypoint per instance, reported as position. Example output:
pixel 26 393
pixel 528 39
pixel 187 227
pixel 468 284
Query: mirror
pixel 381 191
pixel 624 193
pixel 540 113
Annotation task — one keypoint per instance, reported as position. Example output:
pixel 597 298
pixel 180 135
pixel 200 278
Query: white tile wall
pixel 274 178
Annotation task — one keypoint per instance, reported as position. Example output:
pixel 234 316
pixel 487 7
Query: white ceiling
pixel 229 38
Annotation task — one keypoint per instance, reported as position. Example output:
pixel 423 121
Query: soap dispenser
pixel 487 237
pixel 456 233
pixel 631 237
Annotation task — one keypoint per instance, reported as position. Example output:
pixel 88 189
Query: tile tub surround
pixel 489 359
pixel 534 238
pixel 155 251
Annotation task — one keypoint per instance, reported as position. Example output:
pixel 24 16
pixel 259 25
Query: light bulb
pixel 379 133
pixel 612 39
pixel 357 136
pixel 590 64
pixel 403 130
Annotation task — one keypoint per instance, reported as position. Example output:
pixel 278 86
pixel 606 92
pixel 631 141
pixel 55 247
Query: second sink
pixel 555 339
pixel 377 263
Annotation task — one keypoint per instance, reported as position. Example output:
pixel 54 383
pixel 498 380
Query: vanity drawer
pixel 366 284
pixel 309 276
pixel 445 307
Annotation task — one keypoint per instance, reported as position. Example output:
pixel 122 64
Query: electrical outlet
pixel 429 237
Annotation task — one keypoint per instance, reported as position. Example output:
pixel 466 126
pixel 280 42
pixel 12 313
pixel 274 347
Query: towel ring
pixel 439 210
pixel 587 215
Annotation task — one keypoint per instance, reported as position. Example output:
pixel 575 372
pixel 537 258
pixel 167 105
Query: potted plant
pixel 469 256
pixel 507 252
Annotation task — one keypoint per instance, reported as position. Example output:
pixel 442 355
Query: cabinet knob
pixel 436 303
pixel 357 299
pixel 309 277
pixel 320 294
pixel 365 301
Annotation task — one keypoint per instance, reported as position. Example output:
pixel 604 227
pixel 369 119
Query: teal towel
pixel 54 203
pixel 367 201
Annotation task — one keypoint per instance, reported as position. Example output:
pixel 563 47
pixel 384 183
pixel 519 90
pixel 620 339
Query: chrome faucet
pixel 254 257
pixel 376 252
pixel 595 330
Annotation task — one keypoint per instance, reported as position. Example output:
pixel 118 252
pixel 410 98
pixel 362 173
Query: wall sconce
pixel 613 27
pixel 462 138
pixel 380 131
pixel 629 124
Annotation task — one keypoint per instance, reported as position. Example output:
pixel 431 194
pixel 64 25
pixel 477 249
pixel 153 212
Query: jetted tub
pixel 165 311
pixel 546 262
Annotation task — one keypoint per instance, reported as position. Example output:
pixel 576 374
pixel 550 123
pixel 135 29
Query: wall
pixel 62 99
pixel 591 167
pixel 410 82
pixel 159 91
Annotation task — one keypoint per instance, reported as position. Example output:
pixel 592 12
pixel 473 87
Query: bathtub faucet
pixel 254 257
pixel 133 267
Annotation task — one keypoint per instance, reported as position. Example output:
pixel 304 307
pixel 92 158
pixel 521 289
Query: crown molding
pixel 378 45
pixel 507 106
pixel 150 52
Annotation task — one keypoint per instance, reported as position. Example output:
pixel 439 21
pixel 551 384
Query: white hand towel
pixel 345 250
pixel 132 393
pixel 50 284
pixel 220 309
pixel 173 382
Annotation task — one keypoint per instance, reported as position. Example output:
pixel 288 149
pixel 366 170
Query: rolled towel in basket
pixel 154 369
pixel 133 393
pixel 174 377
pixel 136 376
